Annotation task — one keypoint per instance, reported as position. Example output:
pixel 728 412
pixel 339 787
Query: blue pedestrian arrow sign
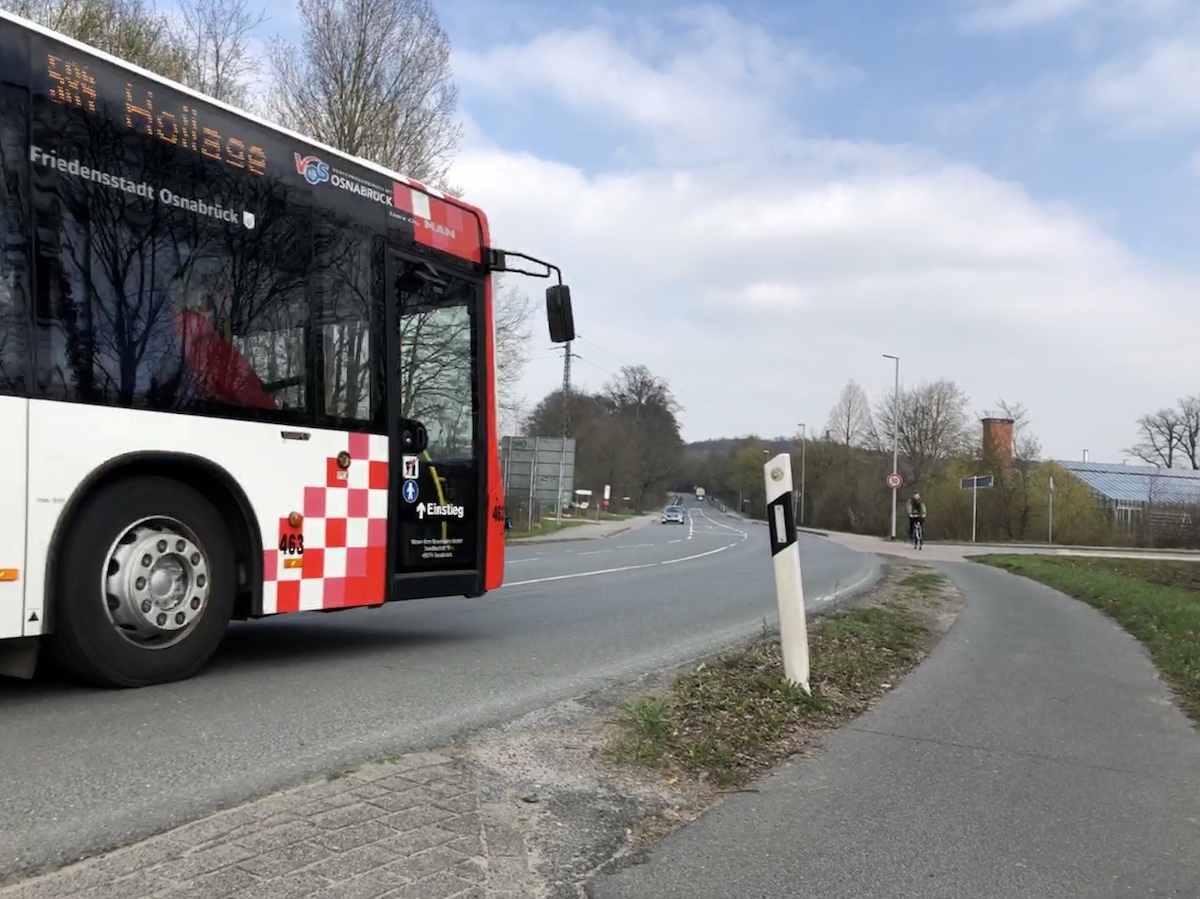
pixel 410 491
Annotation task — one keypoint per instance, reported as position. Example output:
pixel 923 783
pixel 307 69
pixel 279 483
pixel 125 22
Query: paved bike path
pixel 1034 754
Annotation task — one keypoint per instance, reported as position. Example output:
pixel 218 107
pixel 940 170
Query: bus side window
pixel 348 325
pixel 14 242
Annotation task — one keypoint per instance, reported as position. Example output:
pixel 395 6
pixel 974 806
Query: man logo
pixel 248 220
pixel 313 170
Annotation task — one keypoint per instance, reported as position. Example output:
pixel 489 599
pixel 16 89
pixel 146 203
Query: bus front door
pixel 438 504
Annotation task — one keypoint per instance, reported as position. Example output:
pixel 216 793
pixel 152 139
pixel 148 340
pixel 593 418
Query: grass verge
pixel 1157 602
pixel 543 529
pixel 737 715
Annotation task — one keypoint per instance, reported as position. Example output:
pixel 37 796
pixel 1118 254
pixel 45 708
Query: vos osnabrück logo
pixel 313 170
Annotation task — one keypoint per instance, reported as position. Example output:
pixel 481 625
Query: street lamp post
pixel 803 464
pixel 895 436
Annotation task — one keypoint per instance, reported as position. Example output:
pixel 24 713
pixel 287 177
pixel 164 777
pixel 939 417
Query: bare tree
pixel 512 316
pixel 643 412
pixel 128 29
pixel 371 78
pixel 1189 441
pixel 1160 438
pixel 638 393
pixel 933 426
pixel 217 34
pixel 850 421
pixel 206 47
pixel 628 436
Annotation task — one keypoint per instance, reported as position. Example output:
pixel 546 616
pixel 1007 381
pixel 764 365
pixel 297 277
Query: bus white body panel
pixel 344 528
pixel 13 557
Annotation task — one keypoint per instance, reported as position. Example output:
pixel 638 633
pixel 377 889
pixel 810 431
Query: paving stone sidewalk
pixel 412 827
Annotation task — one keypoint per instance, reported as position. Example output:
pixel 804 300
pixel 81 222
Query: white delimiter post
pixel 785 558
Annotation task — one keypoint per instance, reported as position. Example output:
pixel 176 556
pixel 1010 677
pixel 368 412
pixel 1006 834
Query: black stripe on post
pixel 781 509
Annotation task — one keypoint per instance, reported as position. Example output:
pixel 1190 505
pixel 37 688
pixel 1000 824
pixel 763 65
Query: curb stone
pixel 411 828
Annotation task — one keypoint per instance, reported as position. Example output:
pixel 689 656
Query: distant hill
pixel 703 449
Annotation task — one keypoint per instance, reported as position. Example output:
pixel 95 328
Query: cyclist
pixel 916 512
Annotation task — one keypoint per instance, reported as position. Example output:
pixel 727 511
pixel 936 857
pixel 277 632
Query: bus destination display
pixel 73 85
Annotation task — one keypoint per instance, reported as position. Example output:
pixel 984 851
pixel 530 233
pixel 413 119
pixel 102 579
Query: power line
pixel 676 389
pixel 610 372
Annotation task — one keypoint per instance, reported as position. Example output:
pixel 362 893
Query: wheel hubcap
pixel 156 582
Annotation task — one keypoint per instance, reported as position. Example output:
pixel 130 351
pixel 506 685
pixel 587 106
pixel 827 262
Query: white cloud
pixel 1018 15
pixel 1129 63
pixel 1014 16
pixel 1153 87
pixel 714 93
pixel 758 286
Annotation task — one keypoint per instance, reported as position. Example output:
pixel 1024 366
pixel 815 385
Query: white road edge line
pixel 721 524
pixel 569 577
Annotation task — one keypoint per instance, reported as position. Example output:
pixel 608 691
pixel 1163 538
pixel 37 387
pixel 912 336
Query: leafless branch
pixel 217 34
pixel 372 78
pixel 850 421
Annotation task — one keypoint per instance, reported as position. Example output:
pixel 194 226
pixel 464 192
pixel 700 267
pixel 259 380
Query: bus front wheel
pixel 145 584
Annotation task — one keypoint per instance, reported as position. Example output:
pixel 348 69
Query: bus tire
pixel 145 584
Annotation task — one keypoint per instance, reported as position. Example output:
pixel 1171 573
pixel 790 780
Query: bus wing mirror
pixel 559 314
pixel 414 438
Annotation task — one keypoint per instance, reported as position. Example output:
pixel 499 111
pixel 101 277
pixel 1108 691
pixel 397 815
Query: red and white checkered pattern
pixel 437 223
pixel 345 533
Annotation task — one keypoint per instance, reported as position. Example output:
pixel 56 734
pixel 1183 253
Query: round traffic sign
pixel 894 480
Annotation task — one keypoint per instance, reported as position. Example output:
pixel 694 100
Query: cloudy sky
pixel 758 200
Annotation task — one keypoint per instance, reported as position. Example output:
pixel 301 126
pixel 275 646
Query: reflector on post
pixel 785 559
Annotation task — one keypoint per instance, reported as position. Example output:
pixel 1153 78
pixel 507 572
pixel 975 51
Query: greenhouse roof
pixel 1138 483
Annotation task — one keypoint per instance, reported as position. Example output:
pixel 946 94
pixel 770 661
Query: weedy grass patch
pixel 737 715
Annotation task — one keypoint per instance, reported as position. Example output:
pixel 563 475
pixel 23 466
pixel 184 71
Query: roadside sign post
pixel 785 559
pixel 1050 526
pixel 894 482
pixel 974 484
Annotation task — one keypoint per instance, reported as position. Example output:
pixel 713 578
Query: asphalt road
pixel 294 697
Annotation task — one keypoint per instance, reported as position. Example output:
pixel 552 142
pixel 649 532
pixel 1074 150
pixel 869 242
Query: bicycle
pixel 918 533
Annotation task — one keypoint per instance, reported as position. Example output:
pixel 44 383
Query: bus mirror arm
pixel 559 313
pixel 414 438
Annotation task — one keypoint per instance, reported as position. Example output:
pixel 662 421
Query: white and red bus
pixel 241 374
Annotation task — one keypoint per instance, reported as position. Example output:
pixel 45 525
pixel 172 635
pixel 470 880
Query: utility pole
pixel 567 354
pixel 803 464
pixel 566 387
pixel 566 425
pixel 895 436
